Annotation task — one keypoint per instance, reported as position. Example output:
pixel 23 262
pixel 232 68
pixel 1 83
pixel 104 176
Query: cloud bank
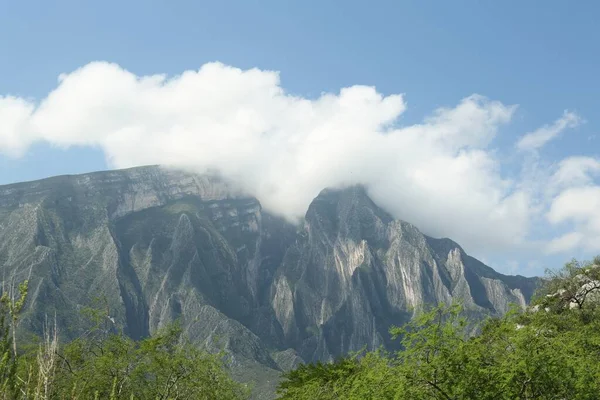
pixel 441 174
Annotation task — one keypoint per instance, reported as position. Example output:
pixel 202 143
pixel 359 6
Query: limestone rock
pixel 155 245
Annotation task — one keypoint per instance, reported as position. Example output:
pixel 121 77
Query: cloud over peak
pixel 440 174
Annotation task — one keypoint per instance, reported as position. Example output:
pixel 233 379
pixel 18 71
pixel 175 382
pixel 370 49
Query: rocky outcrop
pixel 354 271
pixel 154 245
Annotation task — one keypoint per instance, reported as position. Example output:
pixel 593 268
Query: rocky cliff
pixel 155 245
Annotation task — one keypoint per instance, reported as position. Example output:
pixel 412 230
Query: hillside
pixel 155 245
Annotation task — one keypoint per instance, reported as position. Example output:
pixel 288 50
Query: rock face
pixel 157 245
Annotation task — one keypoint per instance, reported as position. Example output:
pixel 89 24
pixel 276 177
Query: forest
pixel 551 350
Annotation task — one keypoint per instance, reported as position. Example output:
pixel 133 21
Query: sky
pixel 474 120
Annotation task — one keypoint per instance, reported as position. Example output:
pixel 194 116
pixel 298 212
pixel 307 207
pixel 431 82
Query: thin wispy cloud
pixel 538 138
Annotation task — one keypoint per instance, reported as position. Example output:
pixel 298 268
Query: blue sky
pixel 542 56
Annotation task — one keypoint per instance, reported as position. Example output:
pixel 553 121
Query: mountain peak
pixel 162 245
pixel 350 190
pixel 342 200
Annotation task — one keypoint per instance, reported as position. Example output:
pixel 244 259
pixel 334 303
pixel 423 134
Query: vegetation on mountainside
pixel 105 364
pixel 549 351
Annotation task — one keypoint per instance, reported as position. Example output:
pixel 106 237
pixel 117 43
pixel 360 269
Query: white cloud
pixel 538 138
pixel 580 207
pixel 574 203
pixel 440 174
pixel 14 117
pixel 575 171
pixel 565 243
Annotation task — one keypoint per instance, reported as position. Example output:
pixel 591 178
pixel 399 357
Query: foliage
pixel 10 307
pixel 160 367
pixel 351 378
pixel 105 364
pixel 549 351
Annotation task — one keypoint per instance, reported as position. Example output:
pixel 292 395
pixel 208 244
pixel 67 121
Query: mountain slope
pixel 157 245
pixel 354 271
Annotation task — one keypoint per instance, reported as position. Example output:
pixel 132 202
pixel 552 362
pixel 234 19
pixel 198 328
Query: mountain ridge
pixel 160 245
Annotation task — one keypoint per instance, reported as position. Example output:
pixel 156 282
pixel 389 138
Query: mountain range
pixel 155 245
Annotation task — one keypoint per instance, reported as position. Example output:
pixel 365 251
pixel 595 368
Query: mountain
pixel 154 245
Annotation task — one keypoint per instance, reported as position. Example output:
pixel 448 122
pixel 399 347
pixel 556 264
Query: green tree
pixel 10 309
pixel 549 351
pixel 368 376
pixel 161 367
pixel 105 364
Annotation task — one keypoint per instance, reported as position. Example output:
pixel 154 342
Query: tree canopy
pixel 551 350
pixel 106 364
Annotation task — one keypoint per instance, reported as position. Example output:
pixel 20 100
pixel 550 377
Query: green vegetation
pixel 550 351
pixel 105 364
